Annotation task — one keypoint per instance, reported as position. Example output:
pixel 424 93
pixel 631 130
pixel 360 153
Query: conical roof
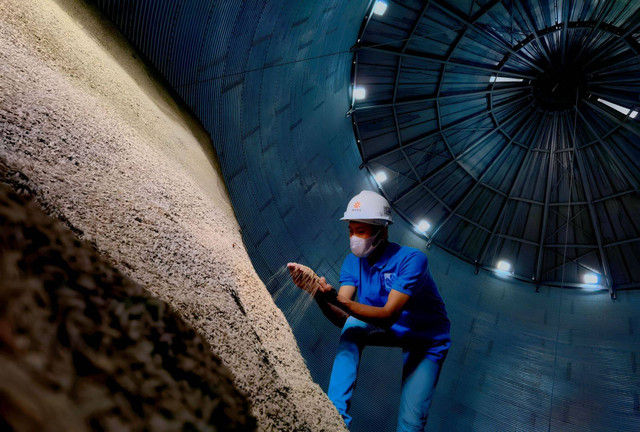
pixel 510 126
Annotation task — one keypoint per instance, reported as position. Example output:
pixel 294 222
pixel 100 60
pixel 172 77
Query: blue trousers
pixel 419 374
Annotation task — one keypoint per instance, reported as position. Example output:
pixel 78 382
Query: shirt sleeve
pixel 411 274
pixel 350 272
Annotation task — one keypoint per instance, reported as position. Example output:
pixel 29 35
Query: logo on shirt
pixel 389 280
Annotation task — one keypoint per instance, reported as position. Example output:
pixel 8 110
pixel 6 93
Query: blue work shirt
pixel 424 319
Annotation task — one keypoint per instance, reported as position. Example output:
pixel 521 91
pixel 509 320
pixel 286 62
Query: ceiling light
pixel 380 176
pixel 504 266
pixel 423 226
pixel 379 7
pixel 504 79
pixel 619 108
pixel 359 93
pixel 590 278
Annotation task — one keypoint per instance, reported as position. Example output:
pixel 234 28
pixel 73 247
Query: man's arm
pixel 383 317
pixel 323 293
pixel 409 277
pixel 326 301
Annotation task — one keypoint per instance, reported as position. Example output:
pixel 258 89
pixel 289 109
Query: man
pixel 398 305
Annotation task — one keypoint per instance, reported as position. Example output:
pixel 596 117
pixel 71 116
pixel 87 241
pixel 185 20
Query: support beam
pixel 629 126
pixel 621 242
pixel 478 182
pixel 563 204
pixel 492 189
pixel 443 69
pixel 632 100
pixel 482 34
pixel 547 195
pixel 416 24
pixel 483 10
pixel 627 286
pixel 631 30
pixel 623 169
pixel 610 47
pixel 399 138
pixel 615 67
pixel 516 239
pixel 395 92
pixel 485 246
pixel 616 195
pixel 446 206
pixel 433 98
pixel 579 264
pixel 565 18
pixel 396 172
pixel 594 218
pixel 456 159
pixel 575 260
pixel 443 136
pixel 567 222
pixel 576 226
pixel 532 27
pixel 534 202
pixel 405 44
pixel 451 126
pixel 587 41
pixel 571 245
pixel 438 60
pixel 626 80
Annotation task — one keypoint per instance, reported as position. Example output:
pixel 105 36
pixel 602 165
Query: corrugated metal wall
pixel 556 360
pixel 270 82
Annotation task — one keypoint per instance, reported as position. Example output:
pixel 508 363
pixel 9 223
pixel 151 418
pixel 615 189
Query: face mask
pixel 362 247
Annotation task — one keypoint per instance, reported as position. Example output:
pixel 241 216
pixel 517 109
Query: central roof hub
pixel 556 88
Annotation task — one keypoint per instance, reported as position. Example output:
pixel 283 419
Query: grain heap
pixel 83 346
pixel 105 149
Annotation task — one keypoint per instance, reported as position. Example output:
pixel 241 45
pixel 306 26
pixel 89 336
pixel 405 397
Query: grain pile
pixel 84 347
pixel 104 148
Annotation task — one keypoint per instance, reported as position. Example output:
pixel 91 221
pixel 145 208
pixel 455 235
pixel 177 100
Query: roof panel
pixel 502 99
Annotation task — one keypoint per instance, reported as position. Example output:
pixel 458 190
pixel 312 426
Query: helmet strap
pixel 379 240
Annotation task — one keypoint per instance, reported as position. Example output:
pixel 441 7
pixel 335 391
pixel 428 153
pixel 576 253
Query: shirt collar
pixel 388 252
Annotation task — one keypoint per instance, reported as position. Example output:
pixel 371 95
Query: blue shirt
pixel 405 269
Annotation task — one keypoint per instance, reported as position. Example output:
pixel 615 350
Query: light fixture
pixel 359 93
pixel 379 7
pixel 590 278
pixel 619 108
pixel 423 226
pixel 493 78
pixel 504 266
pixel 380 176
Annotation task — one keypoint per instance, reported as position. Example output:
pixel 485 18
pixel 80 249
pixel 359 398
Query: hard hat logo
pixel 368 207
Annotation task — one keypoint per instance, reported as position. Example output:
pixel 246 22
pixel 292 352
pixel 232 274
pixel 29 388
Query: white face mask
pixel 362 247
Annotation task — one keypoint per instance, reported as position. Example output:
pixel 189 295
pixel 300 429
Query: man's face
pixel 362 230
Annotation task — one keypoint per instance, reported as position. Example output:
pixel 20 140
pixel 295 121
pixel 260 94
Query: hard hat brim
pixel 380 222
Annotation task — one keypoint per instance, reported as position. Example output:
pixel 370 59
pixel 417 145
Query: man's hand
pixel 324 286
pixel 296 275
pixel 309 281
pixel 325 291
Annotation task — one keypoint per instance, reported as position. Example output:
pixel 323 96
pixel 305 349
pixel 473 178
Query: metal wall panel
pixel 270 82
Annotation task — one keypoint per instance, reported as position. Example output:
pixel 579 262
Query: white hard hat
pixel 368 207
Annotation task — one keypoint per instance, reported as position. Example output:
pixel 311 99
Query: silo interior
pixel 200 146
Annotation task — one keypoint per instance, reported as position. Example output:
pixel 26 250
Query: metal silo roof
pixel 511 127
